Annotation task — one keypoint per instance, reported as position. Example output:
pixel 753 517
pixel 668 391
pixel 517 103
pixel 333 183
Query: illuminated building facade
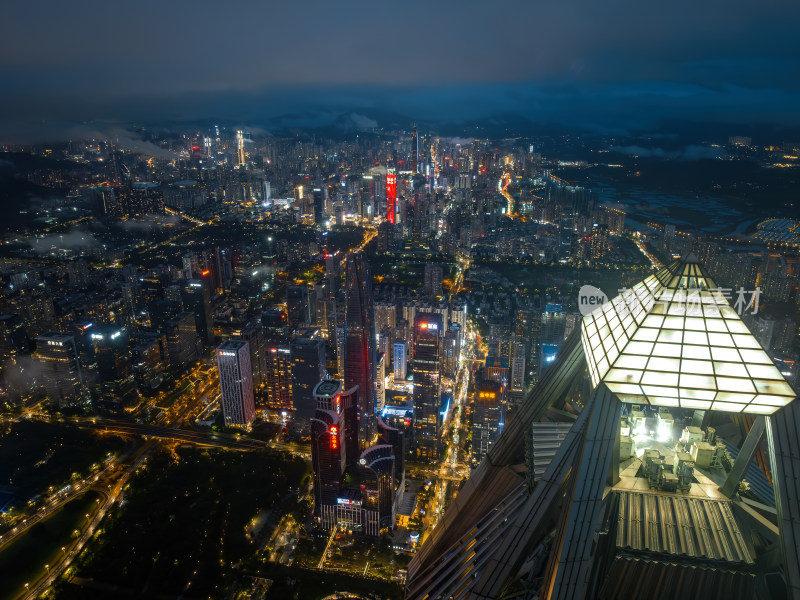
pixel 116 388
pixel 196 298
pixel 308 368
pixel 487 417
pixel 57 356
pixel 427 385
pixel 391 196
pixel 334 445
pixel 236 383
pixel 278 377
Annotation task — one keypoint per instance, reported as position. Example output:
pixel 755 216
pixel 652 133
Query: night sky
pixel 611 64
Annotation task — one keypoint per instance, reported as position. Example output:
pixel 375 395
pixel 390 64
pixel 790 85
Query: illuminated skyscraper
pixel 333 445
pixel 236 383
pixel 196 298
pixel 359 343
pixel 278 377
pixel 433 280
pixel 599 242
pixel 551 335
pixel 116 387
pixel 380 381
pixel 399 361
pixel 391 195
pixel 414 151
pixel 487 418
pixel 58 360
pixel 240 146
pixel 308 369
pixel 427 388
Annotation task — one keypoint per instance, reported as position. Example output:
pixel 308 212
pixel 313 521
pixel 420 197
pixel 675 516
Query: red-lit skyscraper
pixel 391 195
pixel 333 445
pixel 359 344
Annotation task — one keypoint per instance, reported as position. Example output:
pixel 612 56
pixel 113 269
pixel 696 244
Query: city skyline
pixel 418 301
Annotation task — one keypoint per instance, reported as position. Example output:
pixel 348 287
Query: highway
pixel 110 494
pixel 57 501
pixel 202 438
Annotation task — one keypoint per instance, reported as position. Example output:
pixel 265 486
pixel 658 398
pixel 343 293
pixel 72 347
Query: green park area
pixel 25 560
pixel 181 527
pixel 37 457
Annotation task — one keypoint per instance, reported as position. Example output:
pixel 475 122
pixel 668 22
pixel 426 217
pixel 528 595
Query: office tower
pixel 252 334
pixel 496 369
pixel 426 365
pixel 391 195
pixel 191 265
pixel 517 378
pixel 212 270
pixel 240 147
pixel 551 335
pixel 273 323
pixel 183 343
pixel 236 383
pixel 615 219
pixel 599 242
pixel 319 205
pixel 376 473
pixel 308 369
pixel 433 280
pixel 566 233
pixel 385 314
pixel 395 436
pixel 278 377
pixel 359 343
pixel 384 346
pixel 487 417
pixel 500 340
pixel 451 350
pixel 150 361
pixel 320 306
pixel 400 361
pixel 59 365
pixel 579 532
pixel 297 309
pixel 334 445
pixel 380 382
pixel 116 387
pixel 196 298
pixel 458 314
pixel 409 309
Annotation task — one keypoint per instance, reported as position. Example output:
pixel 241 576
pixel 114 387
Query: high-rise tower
pixel 240 146
pixel 359 343
pixel 391 195
pixel 236 383
pixel 427 418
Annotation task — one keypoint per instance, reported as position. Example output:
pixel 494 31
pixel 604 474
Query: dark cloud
pixel 689 153
pixel 75 239
pixel 580 61
pixel 150 222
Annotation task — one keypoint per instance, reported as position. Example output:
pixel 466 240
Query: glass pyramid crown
pixel 673 340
